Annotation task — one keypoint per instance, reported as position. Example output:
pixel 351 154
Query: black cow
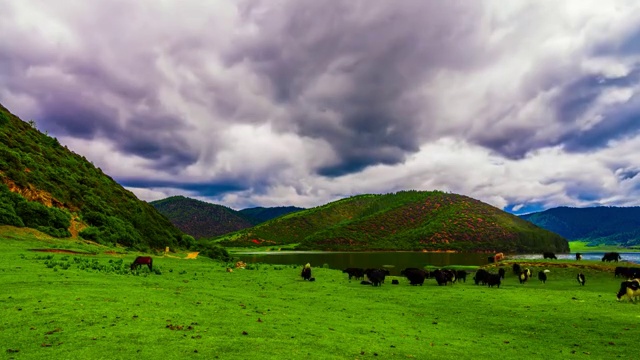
pixel 516 269
pixel 493 279
pixel 611 256
pixel 630 289
pixel 414 275
pixel 549 255
pixel 376 276
pixel 581 279
pixel 627 272
pixel 440 276
pixel 357 273
pixel 395 282
pixel 481 276
pixel 578 256
pixel 501 272
pixel 461 274
pixel 306 273
pixel 620 271
pixel 450 275
pixel 542 277
pixel 523 277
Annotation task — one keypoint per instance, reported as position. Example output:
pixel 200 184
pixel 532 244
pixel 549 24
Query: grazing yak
pixel 627 272
pixel 481 276
pixel 542 277
pixel 578 256
pixel 501 272
pixel 357 273
pixel 414 275
pixel 440 276
pixel 516 268
pixel 611 256
pixel 523 277
pixel 142 260
pixel 630 289
pixel 461 274
pixel 549 255
pixel 493 279
pixel 580 279
pixel 306 272
pixel 376 276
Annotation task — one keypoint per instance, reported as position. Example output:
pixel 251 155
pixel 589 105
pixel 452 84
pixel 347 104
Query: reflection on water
pixel 395 261
pixel 630 257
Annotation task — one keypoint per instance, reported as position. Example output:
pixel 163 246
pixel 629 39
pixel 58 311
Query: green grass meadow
pixel 583 246
pixel 67 306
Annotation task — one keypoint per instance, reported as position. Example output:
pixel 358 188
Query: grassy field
pixel 71 306
pixel 582 246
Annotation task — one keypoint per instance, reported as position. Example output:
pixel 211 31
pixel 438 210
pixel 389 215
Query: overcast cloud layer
pixel 523 104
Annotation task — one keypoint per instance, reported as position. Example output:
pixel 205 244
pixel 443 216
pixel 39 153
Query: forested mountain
pixel 45 186
pixel 201 219
pixel 259 215
pixel 408 220
pixel 595 225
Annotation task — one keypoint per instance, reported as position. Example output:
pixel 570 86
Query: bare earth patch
pixel 111 252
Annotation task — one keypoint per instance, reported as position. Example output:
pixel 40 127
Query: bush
pixel 187 241
pixel 90 233
pixel 215 252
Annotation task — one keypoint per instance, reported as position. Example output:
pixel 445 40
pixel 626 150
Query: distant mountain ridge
pixel 407 220
pixel 204 220
pixel 595 225
pixel 259 215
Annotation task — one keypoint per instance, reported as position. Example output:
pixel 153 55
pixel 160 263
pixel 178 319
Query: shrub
pixel 215 252
pixel 187 241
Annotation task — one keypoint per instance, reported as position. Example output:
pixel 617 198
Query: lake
pixel 393 261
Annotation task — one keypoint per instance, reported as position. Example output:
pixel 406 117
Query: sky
pixel 525 105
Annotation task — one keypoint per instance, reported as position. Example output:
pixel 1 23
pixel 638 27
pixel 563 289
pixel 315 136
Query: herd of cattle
pixel 629 288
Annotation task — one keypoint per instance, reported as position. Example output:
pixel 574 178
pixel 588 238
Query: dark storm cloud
pixel 618 120
pixel 209 189
pixel 360 64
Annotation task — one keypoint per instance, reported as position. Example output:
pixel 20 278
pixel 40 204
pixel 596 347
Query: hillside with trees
pixel 596 225
pixel 201 219
pixel 45 186
pixel 204 220
pixel 408 220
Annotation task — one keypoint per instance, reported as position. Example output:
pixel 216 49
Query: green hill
pixel 259 215
pixel 45 186
pixel 201 219
pixel 596 225
pixel 408 220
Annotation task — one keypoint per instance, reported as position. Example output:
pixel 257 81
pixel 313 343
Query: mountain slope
pixel 408 220
pixel 596 225
pixel 44 185
pixel 201 219
pixel 259 215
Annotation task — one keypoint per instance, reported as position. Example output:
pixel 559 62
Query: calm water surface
pixel 394 261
